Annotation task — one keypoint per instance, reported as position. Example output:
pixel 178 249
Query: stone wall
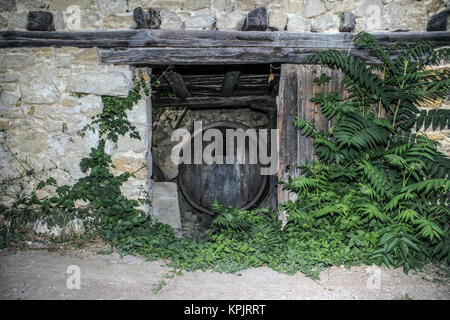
pixel 47 96
pixel 292 15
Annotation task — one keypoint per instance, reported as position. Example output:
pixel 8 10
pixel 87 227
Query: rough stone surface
pixel 372 15
pixel 277 20
pixel 8 98
pixel 438 22
pixel 323 23
pixel 113 83
pixel 108 7
pixel 150 19
pixel 368 8
pixel 245 5
pixel 7 5
pixel 397 18
pixel 3 22
pixel 170 20
pixel 223 5
pixel 314 9
pixel 256 20
pixel 40 86
pixel 40 21
pixel 347 22
pixel 225 22
pixel 296 23
pixel 165 204
pixel 61 5
pixel 192 5
pixel 200 20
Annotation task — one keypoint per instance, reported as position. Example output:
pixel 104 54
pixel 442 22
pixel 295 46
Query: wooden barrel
pixel 238 185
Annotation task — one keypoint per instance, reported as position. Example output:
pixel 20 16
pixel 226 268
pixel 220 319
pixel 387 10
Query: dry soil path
pixel 39 275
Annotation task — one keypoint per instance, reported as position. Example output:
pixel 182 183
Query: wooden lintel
pixel 209 47
pixel 206 39
pixel 214 56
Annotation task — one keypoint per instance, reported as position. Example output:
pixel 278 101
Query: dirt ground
pixel 40 274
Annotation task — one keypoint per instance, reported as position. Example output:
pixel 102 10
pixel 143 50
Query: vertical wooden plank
pixel 288 108
pixel 296 90
pixel 273 180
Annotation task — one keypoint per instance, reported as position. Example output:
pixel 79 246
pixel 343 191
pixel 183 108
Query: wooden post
pixel 296 89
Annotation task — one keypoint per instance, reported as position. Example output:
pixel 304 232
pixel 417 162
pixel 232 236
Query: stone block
pixel 277 20
pixel 165 204
pixel 367 8
pixel 16 61
pixel 7 5
pixel 200 20
pixel 314 9
pixel 150 19
pixel 193 5
pixel 438 22
pixel 119 22
pixel 40 21
pixel 109 82
pixel 30 142
pixel 297 23
pixel 167 4
pixel 109 7
pixel 223 5
pixel 245 5
pixel 3 22
pixel 226 21
pixel 170 20
pixel 257 20
pixel 9 77
pixel 131 164
pixel 347 22
pixel 323 23
pixel 40 86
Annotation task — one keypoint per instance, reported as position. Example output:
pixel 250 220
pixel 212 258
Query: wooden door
pixel 296 89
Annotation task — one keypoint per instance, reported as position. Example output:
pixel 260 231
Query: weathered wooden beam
pixel 163 47
pixel 213 56
pixel 213 102
pixel 230 82
pixel 177 84
pixel 205 39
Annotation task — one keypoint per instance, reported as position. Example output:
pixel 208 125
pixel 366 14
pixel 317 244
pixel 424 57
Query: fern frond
pixel 395 201
pixel 407 215
pixel 372 211
pixel 429 229
pixel 436 185
pixel 355 69
pixel 232 221
pixel 436 118
pixel 306 128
